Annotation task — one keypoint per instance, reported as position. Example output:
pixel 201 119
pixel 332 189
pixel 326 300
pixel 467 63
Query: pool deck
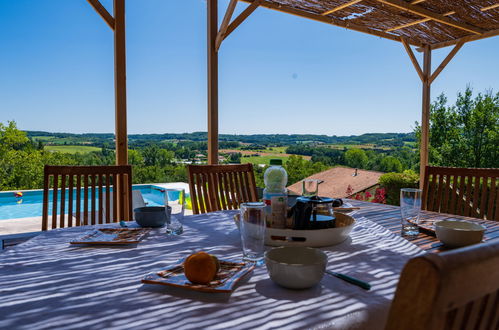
pixel 22 225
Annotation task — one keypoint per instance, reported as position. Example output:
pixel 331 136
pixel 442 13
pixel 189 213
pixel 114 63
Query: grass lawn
pixel 72 149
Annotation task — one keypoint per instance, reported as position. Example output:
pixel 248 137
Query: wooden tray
pixel 230 273
pixel 112 236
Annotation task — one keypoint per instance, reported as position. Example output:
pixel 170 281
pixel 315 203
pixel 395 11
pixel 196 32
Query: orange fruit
pixel 201 267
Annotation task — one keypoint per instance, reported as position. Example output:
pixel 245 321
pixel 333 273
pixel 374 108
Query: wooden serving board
pixel 112 236
pixel 229 274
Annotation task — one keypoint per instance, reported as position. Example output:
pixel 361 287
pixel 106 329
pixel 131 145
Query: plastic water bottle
pixel 275 194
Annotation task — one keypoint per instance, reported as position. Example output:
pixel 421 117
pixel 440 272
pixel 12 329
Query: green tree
pixel 356 158
pixel 465 134
pixel 390 164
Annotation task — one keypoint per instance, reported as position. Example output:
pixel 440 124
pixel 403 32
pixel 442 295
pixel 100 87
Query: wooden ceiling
pixel 437 23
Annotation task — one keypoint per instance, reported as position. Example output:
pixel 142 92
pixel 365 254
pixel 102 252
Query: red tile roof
pixel 337 179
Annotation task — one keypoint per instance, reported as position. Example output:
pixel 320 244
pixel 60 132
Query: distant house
pixel 335 182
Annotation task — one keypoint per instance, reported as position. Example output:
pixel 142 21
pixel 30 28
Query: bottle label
pixel 276 211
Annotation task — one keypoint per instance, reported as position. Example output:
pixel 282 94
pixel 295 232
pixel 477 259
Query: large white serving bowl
pixel 455 233
pixel 296 267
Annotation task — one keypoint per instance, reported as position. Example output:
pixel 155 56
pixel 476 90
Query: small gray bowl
pixel 296 267
pixel 151 216
pixel 455 233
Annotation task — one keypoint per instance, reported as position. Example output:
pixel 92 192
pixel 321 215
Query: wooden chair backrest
pixel 458 289
pixel 471 192
pixel 221 187
pixel 92 183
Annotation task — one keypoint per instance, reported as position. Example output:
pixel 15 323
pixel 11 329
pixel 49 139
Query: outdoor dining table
pixel 46 283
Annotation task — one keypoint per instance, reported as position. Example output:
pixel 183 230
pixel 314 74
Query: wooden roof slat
pixel 442 44
pixel 400 4
pixel 490 7
pixel 416 22
pixel 332 21
pixel 340 7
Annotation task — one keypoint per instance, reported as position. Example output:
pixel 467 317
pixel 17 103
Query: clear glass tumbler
pixel 410 208
pixel 310 187
pixel 175 199
pixel 252 228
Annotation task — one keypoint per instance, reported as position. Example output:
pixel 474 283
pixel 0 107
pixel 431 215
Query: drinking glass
pixel 410 207
pixel 252 228
pixel 175 199
pixel 310 187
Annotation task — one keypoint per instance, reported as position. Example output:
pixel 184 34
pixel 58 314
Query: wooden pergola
pixel 424 24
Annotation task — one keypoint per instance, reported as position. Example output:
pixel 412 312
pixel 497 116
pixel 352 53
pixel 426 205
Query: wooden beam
pixel 345 5
pixel 239 19
pixel 490 7
pixel 413 59
pixel 225 23
pixel 333 21
pixel 488 34
pixel 102 11
pixel 425 116
pixel 401 4
pixel 120 83
pixel 416 22
pixel 446 61
pixel 120 98
pixel 212 82
pixel 415 2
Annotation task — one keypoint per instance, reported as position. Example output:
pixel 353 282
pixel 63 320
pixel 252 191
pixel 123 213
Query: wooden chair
pixel 472 192
pixel 458 289
pixel 93 183
pixel 221 187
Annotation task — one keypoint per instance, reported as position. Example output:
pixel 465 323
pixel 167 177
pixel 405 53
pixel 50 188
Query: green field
pixel 71 149
pixel 262 159
pixel 358 146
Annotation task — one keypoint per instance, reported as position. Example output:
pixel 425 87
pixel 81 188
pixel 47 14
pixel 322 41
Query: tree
pixel 390 164
pixel 465 134
pixel 356 158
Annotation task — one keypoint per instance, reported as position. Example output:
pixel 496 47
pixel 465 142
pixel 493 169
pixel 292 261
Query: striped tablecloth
pixel 50 284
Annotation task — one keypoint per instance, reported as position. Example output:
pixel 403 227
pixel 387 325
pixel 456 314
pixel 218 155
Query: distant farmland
pixel 72 149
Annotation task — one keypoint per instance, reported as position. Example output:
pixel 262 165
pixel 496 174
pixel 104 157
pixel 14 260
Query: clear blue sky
pixel 278 73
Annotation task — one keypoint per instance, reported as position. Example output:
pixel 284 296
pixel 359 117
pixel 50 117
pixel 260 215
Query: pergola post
pixel 425 117
pixel 120 83
pixel 212 82
pixel 117 24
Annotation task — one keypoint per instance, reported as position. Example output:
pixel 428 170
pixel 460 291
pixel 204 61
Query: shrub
pixel 393 182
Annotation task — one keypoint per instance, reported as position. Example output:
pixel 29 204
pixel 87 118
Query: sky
pixel 278 73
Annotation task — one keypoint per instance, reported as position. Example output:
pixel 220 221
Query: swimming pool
pixel 31 202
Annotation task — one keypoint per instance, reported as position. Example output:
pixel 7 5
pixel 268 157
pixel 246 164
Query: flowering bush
pixel 379 196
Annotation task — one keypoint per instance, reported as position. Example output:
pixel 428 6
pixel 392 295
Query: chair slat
pixel 92 201
pixel 100 199
pixel 445 202
pixel 78 200
pixel 461 200
pixel 63 201
pixel 193 193
pixel 438 204
pixel 45 211
pixel 232 190
pixel 115 198
pixel 108 199
pixel 205 205
pixel 469 194
pixel 70 200
pixel 474 202
pixel 85 200
pixel 54 201
pixel 453 197
pixel 431 192
pixel 221 191
pixel 483 198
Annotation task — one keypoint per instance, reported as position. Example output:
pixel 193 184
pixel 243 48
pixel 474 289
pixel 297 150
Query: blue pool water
pixel 30 205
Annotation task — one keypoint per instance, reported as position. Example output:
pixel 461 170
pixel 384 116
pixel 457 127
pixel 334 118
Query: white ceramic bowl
pixel 458 233
pixel 296 267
